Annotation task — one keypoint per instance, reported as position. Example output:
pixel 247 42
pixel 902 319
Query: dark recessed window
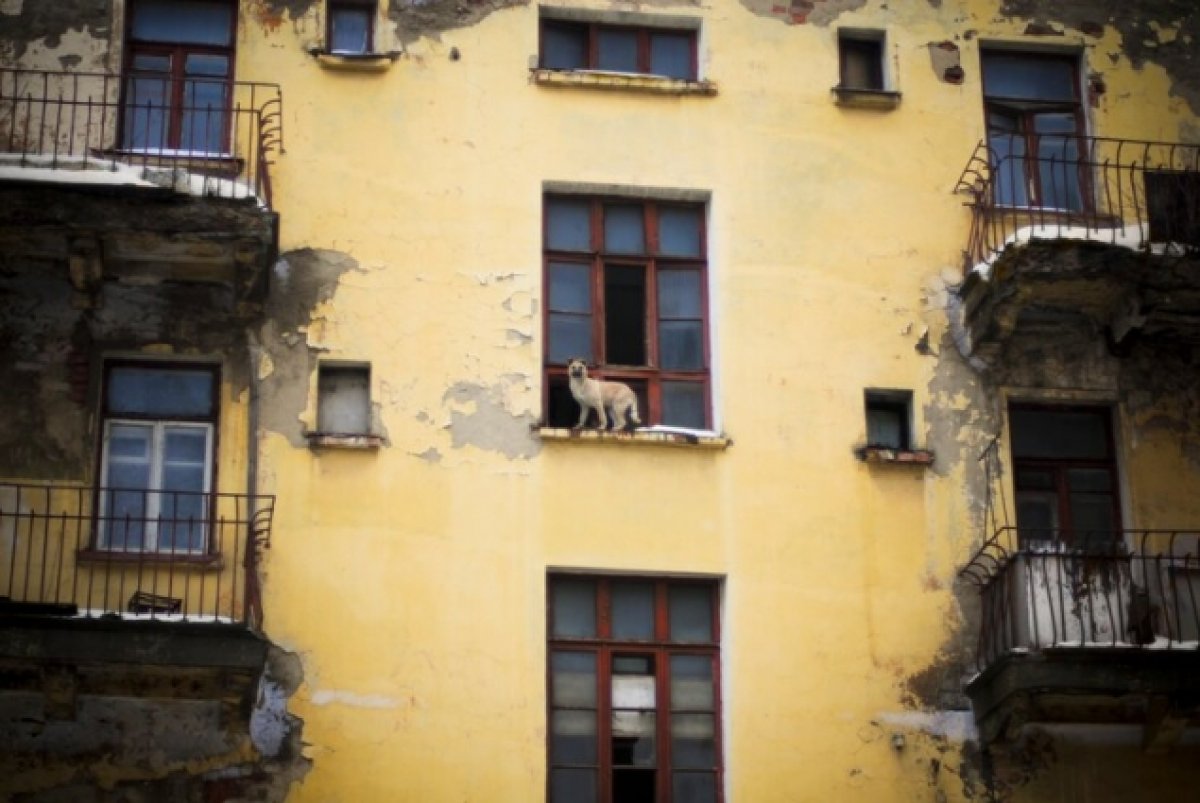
pixel 344 399
pixel 861 59
pixel 667 52
pixel 634 704
pixel 626 293
pixel 351 26
pixel 889 417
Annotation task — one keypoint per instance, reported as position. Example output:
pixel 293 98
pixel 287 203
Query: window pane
pixel 129 475
pixel 694 787
pixel 344 399
pixel 624 232
pixel 679 294
pixel 568 225
pixel 862 63
pixel 574 606
pixel 570 337
pixel 564 47
pixel 1037 515
pixel 572 786
pixel 693 741
pixel 183 21
pixel 683 404
pixel 573 737
pixel 1019 76
pixel 181 522
pixel 681 345
pixel 573 679
pixel 125 514
pixel 197 64
pixel 145 119
pixel 350 28
pixel 625 315
pixel 570 287
pixel 633 737
pixel 633 610
pixel 679 231
pixel 1008 167
pixel 129 442
pixel 1058 170
pixel 691 613
pixel 671 55
pixel 155 391
pixel 183 478
pixel 1065 434
pixel 691 683
pixel 618 50
pixel 885 427
pixel 149 62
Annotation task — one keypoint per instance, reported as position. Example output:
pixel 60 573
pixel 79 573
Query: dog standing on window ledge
pixel 598 395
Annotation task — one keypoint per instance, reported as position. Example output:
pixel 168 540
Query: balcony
pixel 139 176
pixel 1102 629
pixel 1068 230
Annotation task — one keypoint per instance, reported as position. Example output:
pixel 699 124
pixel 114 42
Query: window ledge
pixel 649 436
pixel 881 99
pixel 882 454
pixel 636 82
pixel 355 62
pixel 334 440
pixel 182 560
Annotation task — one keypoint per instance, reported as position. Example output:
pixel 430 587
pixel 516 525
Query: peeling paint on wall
pixel 417 18
pixel 37 20
pixel 481 416
pixel 801 12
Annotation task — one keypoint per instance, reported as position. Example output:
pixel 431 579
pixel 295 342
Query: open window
pixel 626 293
pixel 634 679
pixel 157 458
pixel 178 76
pixel 1035 127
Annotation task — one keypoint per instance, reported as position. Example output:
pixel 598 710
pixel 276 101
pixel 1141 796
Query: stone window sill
pixel 351 442
pixel 693 439
pixel 634 82
pixel 879 99
pixel 908 457
pixel 355 62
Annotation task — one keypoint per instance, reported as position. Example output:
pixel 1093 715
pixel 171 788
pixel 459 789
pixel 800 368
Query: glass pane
pixel 570 287
pixel 1020 76
pixel 679 231
pixel 573 679
pixel 124 519
pixel 129 475
pixel 633 610
pixel 572 786
pixel 202 22
pixel 129 442
pixel 574 606
pixel 1058 170
pixel 183 478
pixel 1097 480
pixel 691 683
pixel 694 787
pixel 681 345
pixel 181 522
pixel 1008 168
pixel 144 124
pixel 202 126
pixel 1037 515
pixel 633 691
pixel 679 294
pixel 207 65
pixel 160 391
pixel 568 225
pixel 885 427
pixel 186 445
pixel 1064 434
pixel 691 613
pixel 350 28
pixel 683 404
pixel 570 338
pixel 1035 479
pixel 564 47
pixel 671 55
pixel 573 737
pixel 150 62
pixel 633 738
pixel 618 50
pixel 1092 520
pixel 624 232
pixel 693 741
pixel 344 399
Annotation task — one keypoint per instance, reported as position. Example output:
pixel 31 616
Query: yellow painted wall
pixel 411 580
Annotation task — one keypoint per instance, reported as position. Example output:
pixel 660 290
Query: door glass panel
pixel 633 610
pixel 572 786
pixel 568 225
pixel 671 55
pixel 618 50
pixel 694 787
pixel 683 404
pixel 690 609
pixel 145 116
pixel 1058 162
pixel 1037 515
pixel 199 22
pixel 204 118
pixel 624 232
pixel 1006 146
pixel 574 608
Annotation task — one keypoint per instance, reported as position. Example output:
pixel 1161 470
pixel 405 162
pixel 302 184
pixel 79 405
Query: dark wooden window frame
pixel 644 32
pixel 213 419
pixel 370 6
pixel 596 258
pixel 605 647
pixel 1060 466
pixel 860 42
pixel 178 52
pixel 1025 121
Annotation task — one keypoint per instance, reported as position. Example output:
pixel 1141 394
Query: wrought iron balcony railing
pixel 209 136
pixel 1138 194
pixel 196 559
pixel 1132 589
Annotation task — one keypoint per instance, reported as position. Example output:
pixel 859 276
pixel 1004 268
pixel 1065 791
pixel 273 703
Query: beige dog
pixel 598 395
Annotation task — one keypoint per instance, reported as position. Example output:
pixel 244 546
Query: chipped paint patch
pixel 353 699
pixel 482 416
pixel 803 12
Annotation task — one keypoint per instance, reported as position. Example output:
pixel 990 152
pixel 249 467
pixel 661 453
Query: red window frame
pixel 592 30
pixel 178 52
pixel 604 646
pixel 333 6
pixel 596 257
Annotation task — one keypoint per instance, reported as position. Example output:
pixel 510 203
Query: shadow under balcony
pixel 1103 632
pixel 1092 231
pixel 138 191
